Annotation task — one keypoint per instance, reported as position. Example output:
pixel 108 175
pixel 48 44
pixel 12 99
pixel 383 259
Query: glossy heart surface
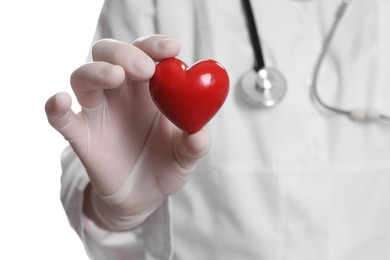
pixel 189 97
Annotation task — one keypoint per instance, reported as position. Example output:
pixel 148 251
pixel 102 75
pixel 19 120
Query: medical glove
pixel 135 158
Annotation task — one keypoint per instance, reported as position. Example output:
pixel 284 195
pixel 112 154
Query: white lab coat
pixel 288 182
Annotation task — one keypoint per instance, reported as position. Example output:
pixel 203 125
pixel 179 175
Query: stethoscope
pixel 265 87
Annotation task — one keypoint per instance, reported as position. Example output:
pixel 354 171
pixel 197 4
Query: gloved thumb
pixel 190 148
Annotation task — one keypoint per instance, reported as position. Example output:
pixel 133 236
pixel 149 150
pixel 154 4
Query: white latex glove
pixel 133 155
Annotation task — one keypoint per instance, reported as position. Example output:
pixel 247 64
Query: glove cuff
pixel 114 221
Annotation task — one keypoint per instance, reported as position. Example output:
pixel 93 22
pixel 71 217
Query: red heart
pixel 189 97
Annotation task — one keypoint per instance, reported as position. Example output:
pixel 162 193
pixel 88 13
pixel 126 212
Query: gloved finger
pixel 62 118
pixel 90 80
pixel 137 64
pixel 158 47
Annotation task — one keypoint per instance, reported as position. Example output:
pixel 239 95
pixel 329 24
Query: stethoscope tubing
pixel 359 114
pixel 254 36
pixel 365 114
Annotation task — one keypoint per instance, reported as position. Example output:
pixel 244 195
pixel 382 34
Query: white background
pixel 41 43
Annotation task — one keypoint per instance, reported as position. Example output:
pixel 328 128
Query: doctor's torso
pixel 289 182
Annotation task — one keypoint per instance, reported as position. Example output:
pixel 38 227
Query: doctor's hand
pixel 135 158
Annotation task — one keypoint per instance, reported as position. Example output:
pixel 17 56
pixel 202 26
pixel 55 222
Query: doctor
pixel 288 182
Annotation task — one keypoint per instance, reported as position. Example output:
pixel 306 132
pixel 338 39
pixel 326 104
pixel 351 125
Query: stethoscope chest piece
pixel 263 88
